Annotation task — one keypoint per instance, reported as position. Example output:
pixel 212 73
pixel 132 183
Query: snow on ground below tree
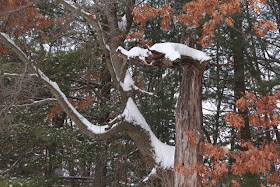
pixel 164 154
pixel 172 51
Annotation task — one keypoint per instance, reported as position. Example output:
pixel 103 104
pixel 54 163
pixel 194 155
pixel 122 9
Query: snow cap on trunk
pixel 172 51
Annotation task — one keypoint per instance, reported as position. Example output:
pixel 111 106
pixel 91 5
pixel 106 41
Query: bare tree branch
pixel 18 75
pixel 12 166
pixel 36 103
pixel 17 9
pixel 92 19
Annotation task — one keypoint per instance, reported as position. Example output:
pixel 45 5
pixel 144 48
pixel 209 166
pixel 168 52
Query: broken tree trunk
pixel 189 135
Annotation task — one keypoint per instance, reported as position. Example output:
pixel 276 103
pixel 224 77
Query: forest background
pixel 41 146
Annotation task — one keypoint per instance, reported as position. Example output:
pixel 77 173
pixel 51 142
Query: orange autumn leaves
pixel 259 161
pixel 216 12
pixel 235 119
pixel 77 105
pixel 142 14
pixel 263 111
pixel 215 9
pixel 19 17
pixel 263 26
pixel 245 161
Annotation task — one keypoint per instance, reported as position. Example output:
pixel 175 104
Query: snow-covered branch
pixel 94 131
pixel 159 55
pixel 19 75
pixel 4 38
pixel 128 84
pixel 163 154
pixel 151 174
pixel 136 88
pixel 130 121
pixel 36 103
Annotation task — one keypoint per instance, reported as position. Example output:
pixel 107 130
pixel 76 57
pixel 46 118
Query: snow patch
pixel 153 172
pixel 122 23
pixel 208 107
pixel 164 154
pixel 46 47
pixel 127 83
pixel 135 52
pixel 107 47
pixel 174 51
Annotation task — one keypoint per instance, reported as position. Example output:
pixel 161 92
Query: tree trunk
pixel 101 169
pixel 238 48
pixel 188 155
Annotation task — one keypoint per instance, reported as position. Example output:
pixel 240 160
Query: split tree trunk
pixel 189 120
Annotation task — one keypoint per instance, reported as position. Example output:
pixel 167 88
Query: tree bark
pixel 238 48
pixel 189 120
pixel 101 169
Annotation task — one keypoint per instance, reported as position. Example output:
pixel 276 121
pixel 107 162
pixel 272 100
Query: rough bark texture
pixel 101 170
pixel 189 119
pixel 238 49
pixel 143 143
